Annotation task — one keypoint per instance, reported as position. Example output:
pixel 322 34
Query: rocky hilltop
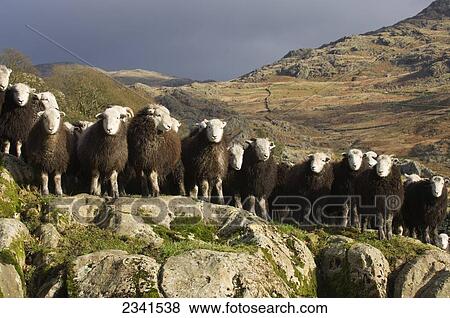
pixel 87 246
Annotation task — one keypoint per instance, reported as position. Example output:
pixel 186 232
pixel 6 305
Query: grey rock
pixel 13 233
pixel 204 273
pixel 48 235
pixel 10 282
pixel 113 273
pixel 16 170
pixel 424 276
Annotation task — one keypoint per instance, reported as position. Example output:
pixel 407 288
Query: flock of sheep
pixel 122 152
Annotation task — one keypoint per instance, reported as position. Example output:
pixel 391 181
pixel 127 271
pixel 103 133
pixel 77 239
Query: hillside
pixel 150 78
pixel 387 90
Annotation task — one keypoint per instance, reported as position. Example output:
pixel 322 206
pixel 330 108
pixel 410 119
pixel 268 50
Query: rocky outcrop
pixel 10 281
pixel 350 269
pixel 113 273
pixel 428 275
pixel 203 273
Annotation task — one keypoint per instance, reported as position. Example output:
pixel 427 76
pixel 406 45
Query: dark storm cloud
pixel 201 39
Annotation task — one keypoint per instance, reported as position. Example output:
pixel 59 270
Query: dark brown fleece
pixel 50 153
pixel 421 209
pixel 99 151
pixel 150 150
pixel 204 160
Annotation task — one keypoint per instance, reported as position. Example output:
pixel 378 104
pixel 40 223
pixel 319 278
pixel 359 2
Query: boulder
pixel 349 269
pixel 10 281
pixel 16 170
pixel 204 273
pixel 13 233
pixel 48 235
pixel 113 273
pixel 425 276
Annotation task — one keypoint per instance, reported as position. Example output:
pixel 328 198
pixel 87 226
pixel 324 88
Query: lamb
pixel 425 207
pixel 346 172
pixel 5 73
pixel 232 183
pixel 103 149
pixel 19 114
pixel 50 148
pixel 259 175
pixel 381 192
pixel 411 178
pixel 205 158
pixel 371 158
pixel 47 100
pixel 154 148
pixel 308 184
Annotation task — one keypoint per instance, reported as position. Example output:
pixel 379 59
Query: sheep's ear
pixel 63 114
pixel 311 155
pixel 272 145
pixel 130 112
pixel 447 181
pixel 224 123
pixel 327 159
pixel 41 113
pixel 250 141
pixel 32 90
pixel 365 155
pixel 99 115
pixel 395 161
pixel 9 71
pixel 344 154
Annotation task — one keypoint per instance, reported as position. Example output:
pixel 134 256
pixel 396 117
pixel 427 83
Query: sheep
pixel 411 178
pixel 381 193
pixel 232 183
pixel 19 114
pixel 307 185
pixel 50 148
pixel 205 158
pixel 154 148
pixel 425 207
pixel 5 73
pixel 259 175
pixel 346 172
pixel 371 158
pixel 283 169
pixel 102 149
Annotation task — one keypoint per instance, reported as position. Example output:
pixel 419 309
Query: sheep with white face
pixel 22 93
pixel 384 165
pixel 214 130
pixel 5 74
pixel 51 119
pixel 162 121
pixel 263 147
pixel 354 158
pixel 412 178
pixel 48 100
pixel 318 161
pixel 112 118
pixel 175 125
pixel 371 157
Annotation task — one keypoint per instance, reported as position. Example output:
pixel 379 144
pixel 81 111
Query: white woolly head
pixel 262 147
pixel 161 107
pixel 236 156
pixel 22 93
pixel 123 110
pixel 354 158
pixel 371 157
pixel 318 161
pixel 162 120
pixel 442 241
pixel 385 164
pixel 437 185
pixel 214 130
pixel 48 100
pixel 51 119
pixel 112 118
pixel 5 73
pixel 175 125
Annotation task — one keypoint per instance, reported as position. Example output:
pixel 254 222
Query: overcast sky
pixel 200 39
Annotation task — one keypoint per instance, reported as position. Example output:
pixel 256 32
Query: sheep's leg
pixel 154 183
pixel 204 189
pixel 58 186
pixel 95 183
pixel 6 146
pixel 237 201
pixel 181 188
pixel 263 208
pixel 355 216
pixel 426 235
pixel 194 192
pixel 219 189
pixel 251 201
pixel 434 231
pixel 19 149
pixel 144 184
pixel 44 180
pixel 381 225
pixel 114 184
pixel 389 220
